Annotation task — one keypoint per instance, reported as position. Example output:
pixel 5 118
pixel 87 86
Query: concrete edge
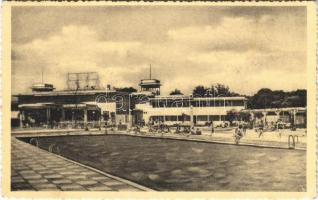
pixel 161 137
pixel 136 185
pixel 207 141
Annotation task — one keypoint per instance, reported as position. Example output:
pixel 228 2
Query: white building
pixel 179 109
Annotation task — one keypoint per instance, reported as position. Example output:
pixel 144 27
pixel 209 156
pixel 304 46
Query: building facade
pixel 179 109
pixel 70 108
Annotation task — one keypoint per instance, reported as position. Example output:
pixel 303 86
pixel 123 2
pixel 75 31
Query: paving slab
pixel 49 172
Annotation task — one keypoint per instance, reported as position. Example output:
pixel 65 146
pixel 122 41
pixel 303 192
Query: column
pixel 294 113
pixel 277 113
pixel 100 119
pixel 264 117
pixel 85 118
pixel 252 118
pixel 129 119
pixel 21 118
pixel 191 116
pixel 62 115
pixel 48 116
pixel 73 115
pixel 291 116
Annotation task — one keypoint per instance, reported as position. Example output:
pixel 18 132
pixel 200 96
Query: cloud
pixel 267 33
pixel 244 52
pixel 75 49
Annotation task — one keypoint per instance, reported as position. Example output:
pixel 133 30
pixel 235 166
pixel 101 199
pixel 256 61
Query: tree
pixel 217 90
pixel 176 92
pixel 266 98
pixel 244 116
pixel 222 90
pixel 263 98
pixel 126 89
pixel 231 116
pixel 199 91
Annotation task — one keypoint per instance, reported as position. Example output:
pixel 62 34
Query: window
pixel 202 103
pixel 238 103
pixel 195 103
pixel 171 118
pixel 202 118
pixel 228 103
pixel 214 117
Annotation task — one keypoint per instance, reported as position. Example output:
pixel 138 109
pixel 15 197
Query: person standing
pixel 212 128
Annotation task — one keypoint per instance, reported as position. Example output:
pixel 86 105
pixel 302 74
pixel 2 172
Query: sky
pixel 246 48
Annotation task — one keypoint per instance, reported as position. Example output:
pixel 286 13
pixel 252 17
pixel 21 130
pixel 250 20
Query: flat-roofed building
pixel 71 108
pixel 180 109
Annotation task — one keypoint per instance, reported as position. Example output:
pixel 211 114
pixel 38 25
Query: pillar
pixel 48 116
pixel 129 119
pixel 291 116
pixel 21 118
pixel 294 113
pixel 264 117
pixel 85 118
pixel 277 113
pixel 99 119
pixel 63 115
pixel 191 116
pixel 252 117
pixel 73 115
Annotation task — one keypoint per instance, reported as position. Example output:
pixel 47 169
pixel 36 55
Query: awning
pixel 81 106
pixel 36 105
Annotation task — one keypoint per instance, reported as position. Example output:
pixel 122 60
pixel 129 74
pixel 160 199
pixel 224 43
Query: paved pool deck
pixel 34 169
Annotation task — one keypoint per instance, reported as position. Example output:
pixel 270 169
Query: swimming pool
pixel 175 165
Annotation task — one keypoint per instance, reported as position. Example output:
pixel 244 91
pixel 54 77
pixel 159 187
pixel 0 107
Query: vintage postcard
pixel 155 99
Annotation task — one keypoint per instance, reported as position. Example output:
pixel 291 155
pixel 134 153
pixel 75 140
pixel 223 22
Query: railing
pixel 292 142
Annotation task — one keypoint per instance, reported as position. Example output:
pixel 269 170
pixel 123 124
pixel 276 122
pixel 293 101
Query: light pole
pixel 191 116
pixel 129 113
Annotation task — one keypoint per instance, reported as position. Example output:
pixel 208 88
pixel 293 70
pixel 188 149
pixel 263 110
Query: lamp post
pixel 129 113
pixel 191 116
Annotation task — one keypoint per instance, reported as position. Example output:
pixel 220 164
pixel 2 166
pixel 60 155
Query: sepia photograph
pixel 167 97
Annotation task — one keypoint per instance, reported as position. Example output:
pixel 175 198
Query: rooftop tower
pixel 150 85
pixel 42 87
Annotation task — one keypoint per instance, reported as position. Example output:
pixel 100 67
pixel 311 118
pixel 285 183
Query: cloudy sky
pixel 246 48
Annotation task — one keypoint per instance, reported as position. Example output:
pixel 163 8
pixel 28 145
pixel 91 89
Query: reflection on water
pixel 165 164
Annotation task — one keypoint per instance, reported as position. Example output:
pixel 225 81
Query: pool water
pixel 174 165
